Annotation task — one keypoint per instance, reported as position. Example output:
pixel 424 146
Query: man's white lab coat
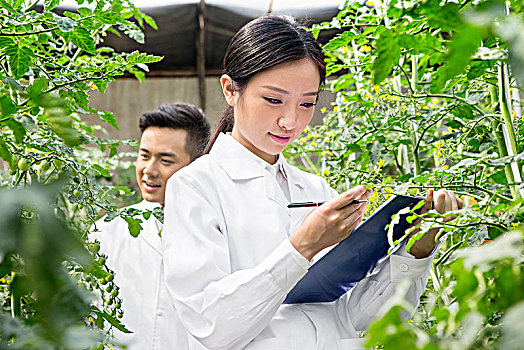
pixel 138 266
pixel 229 263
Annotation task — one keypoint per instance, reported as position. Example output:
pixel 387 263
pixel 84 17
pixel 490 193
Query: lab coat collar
pixel 241 164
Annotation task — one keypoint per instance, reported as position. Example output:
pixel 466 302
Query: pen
pixel 316 204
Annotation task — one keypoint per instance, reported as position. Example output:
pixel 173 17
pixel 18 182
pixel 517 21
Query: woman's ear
pixel 227 88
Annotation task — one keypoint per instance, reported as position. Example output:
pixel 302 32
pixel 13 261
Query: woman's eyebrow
pixel 282 91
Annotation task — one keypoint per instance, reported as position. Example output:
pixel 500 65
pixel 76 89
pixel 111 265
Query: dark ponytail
pixel 259 45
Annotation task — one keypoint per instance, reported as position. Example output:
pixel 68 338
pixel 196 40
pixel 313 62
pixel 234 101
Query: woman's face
pixel 275 107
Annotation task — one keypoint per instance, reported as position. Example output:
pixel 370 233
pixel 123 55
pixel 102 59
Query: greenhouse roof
pixel 179 30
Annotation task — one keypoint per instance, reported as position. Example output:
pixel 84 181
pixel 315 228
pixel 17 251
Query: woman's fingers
pixel 345 198
pixel 428 202
pixel 454 201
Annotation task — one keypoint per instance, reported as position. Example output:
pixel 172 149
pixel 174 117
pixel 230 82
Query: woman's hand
pixel 330 223
pixel 442 201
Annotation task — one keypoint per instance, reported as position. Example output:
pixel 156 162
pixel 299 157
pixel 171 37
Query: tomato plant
pixel 55 174
pixel 429 96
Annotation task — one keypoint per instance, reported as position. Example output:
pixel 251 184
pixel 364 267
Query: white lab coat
pixel 138 266
pixel 229 263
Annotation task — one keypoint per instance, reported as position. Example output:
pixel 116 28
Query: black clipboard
pixel 353 258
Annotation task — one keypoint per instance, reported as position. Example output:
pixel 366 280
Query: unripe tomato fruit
pixel 45 166
pixel 23 164
pixel 94 248
pixel 58 163
pixel 76 193
pixel 12 171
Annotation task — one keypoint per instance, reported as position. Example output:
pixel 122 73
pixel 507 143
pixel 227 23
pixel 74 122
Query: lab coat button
pixel 159 313
pixel 403 267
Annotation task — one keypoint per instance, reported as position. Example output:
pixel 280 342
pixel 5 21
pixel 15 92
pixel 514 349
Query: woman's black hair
pixel 259 45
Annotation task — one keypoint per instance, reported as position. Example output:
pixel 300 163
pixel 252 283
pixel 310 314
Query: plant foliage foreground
pixel 55 170
pixel 429 97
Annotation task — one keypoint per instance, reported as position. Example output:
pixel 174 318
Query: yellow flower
pixel 335 109
pixel 450 129
pixel 323 110
pixel 318 174
pixel 418 113
pixel 345 50
pixel 440 144
pixel 302 140
pixel 91 320
pixel 434 100
pixel 104 34
pixel 444 133
pixel 326 172
pixel 370 3
pixel 326 139
pixel 92 85
pixel 313 144
pixel 445 167
pixel 377 89
pixel 309 137
pixel 306 129
pixel 366 48
pixel 380 163
pixel 368 96
pixel 331 134
pixel 431 106
pixel 514 114
pixel 439 155
pixel 344 99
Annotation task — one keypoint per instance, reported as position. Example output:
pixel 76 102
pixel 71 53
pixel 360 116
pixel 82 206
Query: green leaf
pixel 141 76
pixel 149 20
pixel 17 128
pixel 62 126
pixel 102 171
pixel 19 59
pixel 5 153
pixel 7 105
pixel 6 41
pixel 82 38
pixel 4 4
pixel 28 122
pixel 461 47
pixel 65 24
pixel 388 55
pixel 113 321
pixel 51 4
pixel 134 226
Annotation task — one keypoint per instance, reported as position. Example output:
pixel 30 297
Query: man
pixel 172 136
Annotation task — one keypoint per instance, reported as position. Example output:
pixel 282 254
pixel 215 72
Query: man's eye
pixel 144 156
pixel 166 161
pixel 272 100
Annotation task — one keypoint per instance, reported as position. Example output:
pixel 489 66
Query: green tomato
pixel 24 164
pixel 110 278
pixel 76 193
pixel 114 293
pixel 58 163
pixel 45 166
pixel 12 172
pixel 102 261
pixel 94 248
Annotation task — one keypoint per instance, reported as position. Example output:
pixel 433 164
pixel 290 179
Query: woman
pixel 233 249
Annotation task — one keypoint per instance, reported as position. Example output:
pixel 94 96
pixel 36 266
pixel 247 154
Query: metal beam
pixel 201 57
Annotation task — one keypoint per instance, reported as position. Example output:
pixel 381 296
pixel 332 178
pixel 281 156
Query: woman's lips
pixel 281 139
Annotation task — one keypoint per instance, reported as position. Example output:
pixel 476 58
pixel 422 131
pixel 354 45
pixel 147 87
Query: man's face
pixel 162 153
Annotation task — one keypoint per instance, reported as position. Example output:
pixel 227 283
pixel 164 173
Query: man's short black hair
pixel 180 116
